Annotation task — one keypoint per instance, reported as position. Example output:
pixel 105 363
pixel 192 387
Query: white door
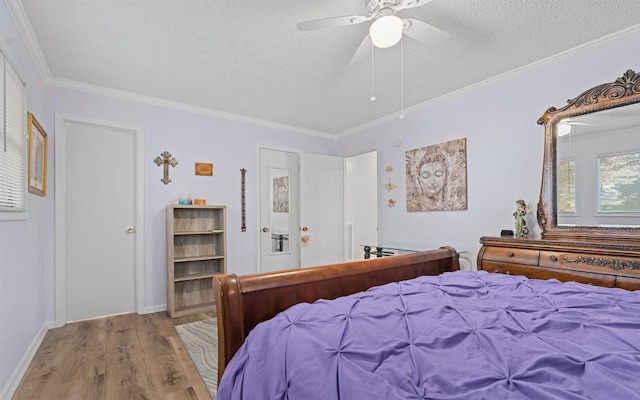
pixel 279 210
pixel 97 258
pixel 321 209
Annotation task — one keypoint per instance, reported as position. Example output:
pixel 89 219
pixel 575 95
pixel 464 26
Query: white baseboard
pixel 21 369
pixel 153 309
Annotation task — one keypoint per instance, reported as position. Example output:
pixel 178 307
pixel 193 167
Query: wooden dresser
pixel 603 263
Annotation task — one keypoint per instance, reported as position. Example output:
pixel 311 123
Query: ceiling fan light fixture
pixel 563 129
pixel 386 31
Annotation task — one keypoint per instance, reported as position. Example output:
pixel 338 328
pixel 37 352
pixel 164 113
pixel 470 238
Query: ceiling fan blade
pixel 423 32
pixel 363 52
pixel 332 22
pixel 411 4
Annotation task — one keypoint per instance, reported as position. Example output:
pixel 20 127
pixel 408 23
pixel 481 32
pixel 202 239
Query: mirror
pixel 279 221
pixel 591 172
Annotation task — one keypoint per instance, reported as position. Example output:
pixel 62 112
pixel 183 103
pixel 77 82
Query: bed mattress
pixel 461 335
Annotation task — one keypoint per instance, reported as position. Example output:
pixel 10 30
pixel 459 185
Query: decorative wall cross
pixel 166 161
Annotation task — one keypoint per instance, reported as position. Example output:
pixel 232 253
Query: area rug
pixel 201 341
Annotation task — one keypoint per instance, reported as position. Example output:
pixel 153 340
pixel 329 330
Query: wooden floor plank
pixel 86 388
pixel 127 356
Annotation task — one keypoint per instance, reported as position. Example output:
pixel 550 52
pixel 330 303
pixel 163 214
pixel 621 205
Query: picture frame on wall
pixel 38 142
pixel 437 177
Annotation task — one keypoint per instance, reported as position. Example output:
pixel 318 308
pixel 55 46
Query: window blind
pixel 13 139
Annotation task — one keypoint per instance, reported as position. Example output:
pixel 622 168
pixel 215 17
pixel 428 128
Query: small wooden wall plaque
pixel 204 169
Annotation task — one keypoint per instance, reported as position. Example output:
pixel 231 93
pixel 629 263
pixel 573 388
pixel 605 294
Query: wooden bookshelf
pixel 196 252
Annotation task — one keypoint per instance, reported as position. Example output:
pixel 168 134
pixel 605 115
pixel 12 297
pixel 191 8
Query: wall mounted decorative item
pixel 165 160
pixel 389 186
pixel 243 203
pixel 437 177
pixel 204 169
pixel 38 144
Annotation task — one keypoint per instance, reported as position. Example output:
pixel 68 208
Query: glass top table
pixel 383 251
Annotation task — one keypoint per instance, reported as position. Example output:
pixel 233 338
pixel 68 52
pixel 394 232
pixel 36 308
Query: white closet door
pixel 100 214
pixel 321 209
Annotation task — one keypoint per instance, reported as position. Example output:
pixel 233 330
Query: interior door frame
pixel 60 214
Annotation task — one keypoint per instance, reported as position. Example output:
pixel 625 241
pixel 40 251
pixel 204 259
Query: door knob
pixel 130 229
pixel 304 229
pixel 265 229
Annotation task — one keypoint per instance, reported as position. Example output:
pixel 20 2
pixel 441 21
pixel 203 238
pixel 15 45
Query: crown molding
pixel 546 62
pixel 20 17
pixel 124 95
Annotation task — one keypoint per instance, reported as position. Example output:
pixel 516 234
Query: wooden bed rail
pixel 243 302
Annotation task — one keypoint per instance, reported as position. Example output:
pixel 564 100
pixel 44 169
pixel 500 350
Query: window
pixel 567 186
pixel 619 180
pixel 13 143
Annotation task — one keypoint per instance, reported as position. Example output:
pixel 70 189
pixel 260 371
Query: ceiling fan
pixel 387 28
pixel 564 127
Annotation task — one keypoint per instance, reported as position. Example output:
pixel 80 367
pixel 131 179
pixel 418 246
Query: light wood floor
pixel 123 357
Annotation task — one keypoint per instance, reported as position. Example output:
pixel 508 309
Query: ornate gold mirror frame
pixel 624 91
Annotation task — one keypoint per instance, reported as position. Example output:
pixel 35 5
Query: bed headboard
pixel 243 302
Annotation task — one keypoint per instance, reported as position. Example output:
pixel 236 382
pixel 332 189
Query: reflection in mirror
pixel 598 168
pixel 279 221
pixel 591 170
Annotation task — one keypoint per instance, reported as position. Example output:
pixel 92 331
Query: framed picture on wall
pixel 437 177
pixel 37 157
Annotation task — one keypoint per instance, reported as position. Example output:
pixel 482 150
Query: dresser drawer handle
pixel 508 272
pixel 509 253
pixel 553 258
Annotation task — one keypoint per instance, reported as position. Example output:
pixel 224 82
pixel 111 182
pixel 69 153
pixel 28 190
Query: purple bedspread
pixel 461 335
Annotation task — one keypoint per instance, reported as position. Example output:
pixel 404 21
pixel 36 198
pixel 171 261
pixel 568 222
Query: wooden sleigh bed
pixel 243 302
pixel 415 326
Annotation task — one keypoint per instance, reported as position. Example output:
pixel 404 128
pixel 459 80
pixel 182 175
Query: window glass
pixel 619 181
pixel 566 186
pixel 13 143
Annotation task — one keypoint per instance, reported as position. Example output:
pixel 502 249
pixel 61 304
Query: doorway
pixel 361 193
pixel 99 218
pixel 321 188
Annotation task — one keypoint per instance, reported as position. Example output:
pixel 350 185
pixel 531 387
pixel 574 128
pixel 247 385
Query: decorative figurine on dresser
pixel 588 214
pixel 522 228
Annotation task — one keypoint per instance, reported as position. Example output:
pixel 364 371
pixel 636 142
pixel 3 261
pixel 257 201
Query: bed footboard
pixel 243 302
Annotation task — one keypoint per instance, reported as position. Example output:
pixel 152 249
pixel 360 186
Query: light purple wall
pixel 26 248
pixel 504 146
pixel 189 137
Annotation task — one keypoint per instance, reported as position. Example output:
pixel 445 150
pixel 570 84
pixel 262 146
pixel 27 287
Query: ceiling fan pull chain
pixel 401 80
pixel 373 80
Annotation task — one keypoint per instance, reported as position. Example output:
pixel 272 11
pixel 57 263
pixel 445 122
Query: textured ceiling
pixel 246 59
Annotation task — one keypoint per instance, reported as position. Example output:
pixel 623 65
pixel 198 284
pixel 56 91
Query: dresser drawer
pixel 514 269
pixel 551 273
pixel 511 255
pixel 628 283
pixel 606 264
